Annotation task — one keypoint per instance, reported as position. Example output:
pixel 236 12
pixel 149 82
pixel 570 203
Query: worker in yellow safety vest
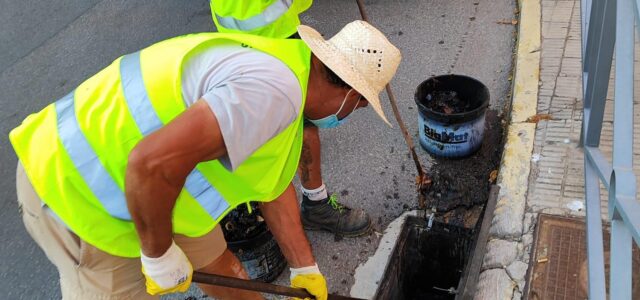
pixel 268 18
pixel 123 181
pixel 320 210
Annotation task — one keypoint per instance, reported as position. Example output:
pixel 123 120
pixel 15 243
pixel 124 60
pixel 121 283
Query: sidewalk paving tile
pixel 556 177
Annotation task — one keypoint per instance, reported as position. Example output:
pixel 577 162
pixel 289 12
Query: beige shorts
pixel 89 273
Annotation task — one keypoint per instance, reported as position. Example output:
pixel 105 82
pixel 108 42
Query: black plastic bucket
pixel 260 255
pixel 455 131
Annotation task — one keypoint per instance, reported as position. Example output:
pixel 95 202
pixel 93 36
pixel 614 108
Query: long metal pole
pixel 257 286
pixel 423 181
pixel 620 274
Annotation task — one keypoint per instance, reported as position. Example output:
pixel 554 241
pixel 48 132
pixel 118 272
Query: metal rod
pixel 363 13
pixel 595 247
pixel 621 270
pixel 599 53
pixel 257 286
pixel 423 180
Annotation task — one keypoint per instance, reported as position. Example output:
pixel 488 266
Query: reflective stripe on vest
pixel 148 121
pixel 270 14
pixel 86 161
pixel 93 172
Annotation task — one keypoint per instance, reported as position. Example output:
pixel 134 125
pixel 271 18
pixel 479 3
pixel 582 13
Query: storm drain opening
pixel 426 263
pixel 441 261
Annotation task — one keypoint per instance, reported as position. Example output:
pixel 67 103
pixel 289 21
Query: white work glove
pixel 310 279
pixel 168 273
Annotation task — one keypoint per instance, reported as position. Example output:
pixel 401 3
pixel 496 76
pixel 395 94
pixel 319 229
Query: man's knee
pixel 226 264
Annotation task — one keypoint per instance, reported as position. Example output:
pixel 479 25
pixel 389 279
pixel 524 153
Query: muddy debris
pixel 447 102
pixel 463 216
pixel 240 224
pixel 460 187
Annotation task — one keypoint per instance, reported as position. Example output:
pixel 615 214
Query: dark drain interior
pixel 426 264
pixel 432 264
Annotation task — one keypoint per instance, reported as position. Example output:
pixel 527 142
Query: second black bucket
pixel 451 115
pixel 260 256
pixel 249 238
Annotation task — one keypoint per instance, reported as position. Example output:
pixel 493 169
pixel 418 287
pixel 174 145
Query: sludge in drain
pixel 426 264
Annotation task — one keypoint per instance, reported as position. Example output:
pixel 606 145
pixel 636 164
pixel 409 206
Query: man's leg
pixel 319 210
pixel 209 254
pixel 85 271
pixel 309 167
pixel 89 273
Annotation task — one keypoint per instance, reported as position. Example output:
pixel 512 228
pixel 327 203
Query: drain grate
pixel 558 264
pixel 559 250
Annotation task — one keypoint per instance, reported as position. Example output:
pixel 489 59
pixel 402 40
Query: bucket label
pixel 444 136
pixel 257 267
pixel 451 140
pixel 262 259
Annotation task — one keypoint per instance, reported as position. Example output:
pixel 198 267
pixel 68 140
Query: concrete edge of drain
pixel 368 275
pixel 515 166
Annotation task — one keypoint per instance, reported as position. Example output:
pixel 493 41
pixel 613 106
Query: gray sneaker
pixel 334 217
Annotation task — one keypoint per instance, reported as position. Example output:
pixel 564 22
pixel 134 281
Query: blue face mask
pixel 332 121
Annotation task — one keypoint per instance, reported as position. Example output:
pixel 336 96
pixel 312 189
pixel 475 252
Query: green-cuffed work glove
pixel 310 279
pixel 168 273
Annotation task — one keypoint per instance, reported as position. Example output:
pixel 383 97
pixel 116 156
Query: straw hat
pixel 360 55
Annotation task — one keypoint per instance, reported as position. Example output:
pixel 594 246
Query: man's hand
pixel 283 218
pixel 310 279
pixel 168 273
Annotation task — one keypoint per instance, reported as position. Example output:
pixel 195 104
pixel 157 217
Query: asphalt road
pixel 48 47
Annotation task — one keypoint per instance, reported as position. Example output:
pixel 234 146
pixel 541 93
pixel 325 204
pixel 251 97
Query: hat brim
pixel 340 64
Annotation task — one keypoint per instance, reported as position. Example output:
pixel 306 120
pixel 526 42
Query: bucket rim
pixel 456 115
pixel 452 118
pixel 263 234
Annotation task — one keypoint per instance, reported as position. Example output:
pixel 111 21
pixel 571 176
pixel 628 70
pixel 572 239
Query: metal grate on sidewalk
pixel 558 264
pixel 560 249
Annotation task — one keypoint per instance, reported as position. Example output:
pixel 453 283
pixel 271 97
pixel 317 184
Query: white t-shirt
pixel 253 95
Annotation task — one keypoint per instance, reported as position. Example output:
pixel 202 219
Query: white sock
pixel 316 194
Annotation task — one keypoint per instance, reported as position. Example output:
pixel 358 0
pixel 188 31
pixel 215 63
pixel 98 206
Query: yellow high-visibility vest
pixel 268 18
pixel 75 150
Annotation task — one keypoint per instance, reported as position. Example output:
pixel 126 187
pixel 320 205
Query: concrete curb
pixel 369 274
pixel 507 226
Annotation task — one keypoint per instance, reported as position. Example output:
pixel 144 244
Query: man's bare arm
pixel 158 167
pixel 283 218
